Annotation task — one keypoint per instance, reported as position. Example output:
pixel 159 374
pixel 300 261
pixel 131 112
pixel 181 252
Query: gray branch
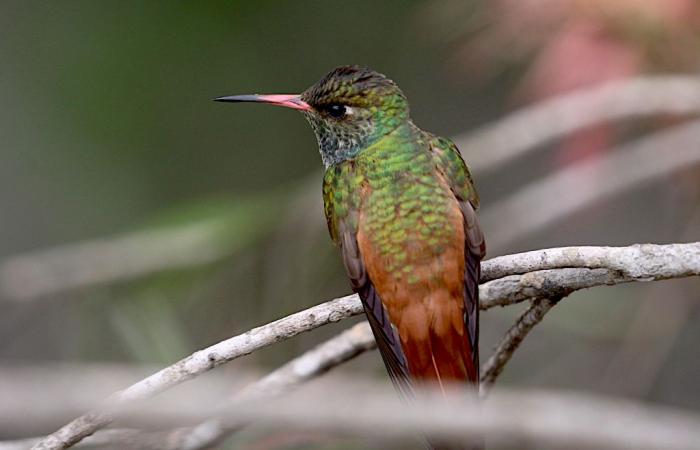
pixel 522 131
pixel 110 259
pixel 540 204
pixel 313 363
pixel 512 339
pixel 291 375
pixel 636 263
pixel 508 419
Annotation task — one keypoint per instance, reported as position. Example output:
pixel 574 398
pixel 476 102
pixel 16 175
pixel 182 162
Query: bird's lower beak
pixel 293 101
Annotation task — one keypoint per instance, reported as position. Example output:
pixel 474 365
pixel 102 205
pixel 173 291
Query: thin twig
pixel 512 339
pixel 124 438
pixel 301 369
pixel 203 361
pixel 522 131
pixel 208 434
pixel 112 259
pixel 536 206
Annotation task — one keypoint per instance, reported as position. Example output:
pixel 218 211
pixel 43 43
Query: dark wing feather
pixel 345 235
pixel 387 340
pixel 450 163
pixel 474 251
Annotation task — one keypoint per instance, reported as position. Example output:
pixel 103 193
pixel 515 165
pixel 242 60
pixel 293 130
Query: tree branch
pixel 636 263
pixel 513 136
pixel 512 339
pixel 534 207
pixel 509 419
pixel 313 363
pixel 134 439
pixel 205 360
pixel 111 259
pixel 301 369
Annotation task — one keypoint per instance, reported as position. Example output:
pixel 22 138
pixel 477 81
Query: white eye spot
pixel 349 111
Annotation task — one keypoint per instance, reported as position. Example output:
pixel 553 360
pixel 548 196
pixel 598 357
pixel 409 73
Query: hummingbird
pixel 400 204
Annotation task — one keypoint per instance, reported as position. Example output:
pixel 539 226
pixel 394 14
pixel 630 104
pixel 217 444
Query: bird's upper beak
pixel 293 101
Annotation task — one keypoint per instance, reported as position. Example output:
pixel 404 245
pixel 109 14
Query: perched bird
pixel 400 203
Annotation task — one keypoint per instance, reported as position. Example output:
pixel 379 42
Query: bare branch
pixel 123 438
pixel 677 260
pixel 637 261
pixel 516 134
pixel 507 418
pixel 301 369
pixel 311 364
pixel 511 341
pixel 110 259
pixel 316 361
pixel 578 268
pixel 205 360
pixel 534 207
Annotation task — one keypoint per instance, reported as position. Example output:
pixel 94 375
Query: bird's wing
pixel 450 163
pixel 341 199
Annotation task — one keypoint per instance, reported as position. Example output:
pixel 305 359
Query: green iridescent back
pixel 401 172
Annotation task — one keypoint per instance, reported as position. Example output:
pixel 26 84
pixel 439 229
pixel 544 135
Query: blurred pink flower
pixel 570 44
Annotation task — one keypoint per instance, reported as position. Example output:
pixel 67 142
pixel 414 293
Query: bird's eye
pixel 337 111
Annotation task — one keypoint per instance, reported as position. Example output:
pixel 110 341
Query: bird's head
pixel 349 108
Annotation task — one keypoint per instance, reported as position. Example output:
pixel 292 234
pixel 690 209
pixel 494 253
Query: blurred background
pixel 141 221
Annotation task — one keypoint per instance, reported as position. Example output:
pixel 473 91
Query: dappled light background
pixel 141 221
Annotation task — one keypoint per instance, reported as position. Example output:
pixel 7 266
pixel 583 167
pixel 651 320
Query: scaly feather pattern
pixel 402 213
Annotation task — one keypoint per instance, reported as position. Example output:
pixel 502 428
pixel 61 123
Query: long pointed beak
pixel 293 101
